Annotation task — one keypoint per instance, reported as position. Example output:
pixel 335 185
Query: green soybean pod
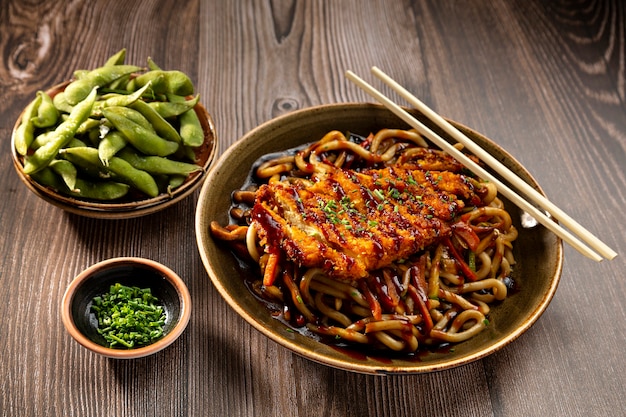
pixel 175 182
pixel 41 139
pixel 157 165
pixel 191 130
pixel 110 145
pixel 45 137
pixel 162 127
pixel 48 178
pixel 178 83
pixel 118 169
pixel 88 125
pixel 156 81
pixel 117 58
pixel 96 190
pixel 118 100
pixel 47 113
pixel 168 82
pixel 79 89
pixel 99 190
pixel 141 138
pixel 167 109
pixel 119 84
pixel 152 66
pixel 84 163
pixel 63 134
pixel 81 73
pixel 93 137
pixel 75 143
pixel 60 102
pixel 25 133
pixel 131 114
pixel 66 170
pixel 189 153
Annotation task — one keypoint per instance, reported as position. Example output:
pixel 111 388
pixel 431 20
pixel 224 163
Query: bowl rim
pixel 125 210
pixel 374 367
pixel 167 273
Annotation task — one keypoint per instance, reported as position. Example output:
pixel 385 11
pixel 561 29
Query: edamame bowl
pixel 115 151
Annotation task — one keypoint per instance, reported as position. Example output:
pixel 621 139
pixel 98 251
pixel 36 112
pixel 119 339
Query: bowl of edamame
pixel 126 308
pixel 117 141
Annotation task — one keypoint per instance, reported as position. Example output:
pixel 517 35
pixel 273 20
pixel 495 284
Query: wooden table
pixel 544 79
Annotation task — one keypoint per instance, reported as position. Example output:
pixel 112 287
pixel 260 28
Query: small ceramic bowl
pixel 538 252
pixel 96 280
pixel 126 207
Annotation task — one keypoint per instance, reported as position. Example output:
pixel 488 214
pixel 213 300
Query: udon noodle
pixel 378 241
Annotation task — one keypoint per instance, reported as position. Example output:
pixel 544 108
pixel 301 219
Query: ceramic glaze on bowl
pixel 539 253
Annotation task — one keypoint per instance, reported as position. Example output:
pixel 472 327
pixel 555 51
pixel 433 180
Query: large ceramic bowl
pixel 127 207
pixel 538 252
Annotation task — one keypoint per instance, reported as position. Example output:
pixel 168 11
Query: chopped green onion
pixel 379 194
pixel 472 261
pixel 128 317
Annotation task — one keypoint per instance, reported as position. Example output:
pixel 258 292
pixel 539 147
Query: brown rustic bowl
pixel 538 252
pixel 94 281
pixel 123 209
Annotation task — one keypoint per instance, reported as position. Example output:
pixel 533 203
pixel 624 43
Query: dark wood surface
pixel 544 79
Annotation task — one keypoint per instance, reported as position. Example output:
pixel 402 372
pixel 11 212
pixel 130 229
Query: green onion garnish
pixel 129 317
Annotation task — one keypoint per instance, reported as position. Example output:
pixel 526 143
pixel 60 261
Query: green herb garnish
pixel 129 316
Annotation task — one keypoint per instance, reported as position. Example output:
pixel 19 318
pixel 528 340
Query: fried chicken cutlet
pixel 350 223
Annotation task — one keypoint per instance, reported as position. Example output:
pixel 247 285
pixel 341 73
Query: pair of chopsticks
pixel 597 250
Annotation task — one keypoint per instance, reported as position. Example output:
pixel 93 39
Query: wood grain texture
pixel 545 79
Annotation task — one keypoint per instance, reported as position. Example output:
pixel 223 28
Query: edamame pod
pixel 75 143
pixel 118 100
pixel 190 128
pixel 152 66
pixel 111 144
pixel 168 109
pixel 141 138
pixel 25 133
pixel 162 127
pixel 132 115
pixel 45 137
pixel 175 182
pixel 100 190
pixel 66 170
pixel 172 82
pixel 117 58
pixel 96 190
pixel 87 126
pixel 60 102
pixel 118 169
pixel 63 134
pixel 79 89
pixel 81 73
pixel 47 113
pixel 157 165
pixel 48 178
pixel 41 140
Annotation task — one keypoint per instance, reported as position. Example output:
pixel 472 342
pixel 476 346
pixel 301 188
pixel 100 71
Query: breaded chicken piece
pixel 350 223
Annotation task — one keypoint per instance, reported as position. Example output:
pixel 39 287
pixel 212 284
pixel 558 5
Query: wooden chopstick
pixel 502 188
pixel 497 166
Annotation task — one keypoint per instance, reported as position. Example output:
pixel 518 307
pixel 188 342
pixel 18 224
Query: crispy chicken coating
pixel 350 223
